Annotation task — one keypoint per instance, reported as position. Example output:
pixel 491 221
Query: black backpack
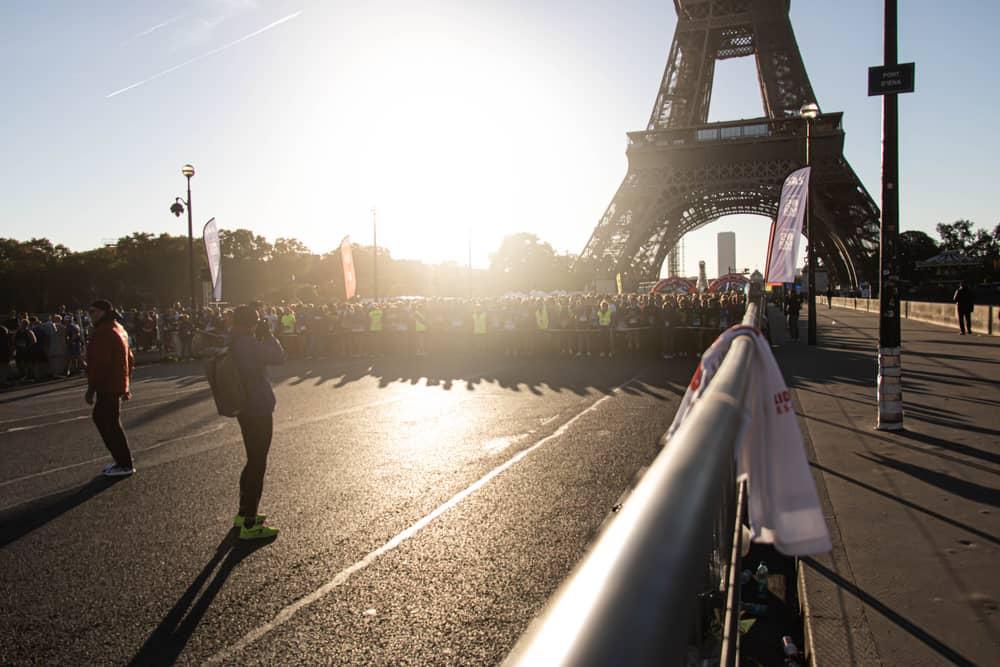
pixel 226 382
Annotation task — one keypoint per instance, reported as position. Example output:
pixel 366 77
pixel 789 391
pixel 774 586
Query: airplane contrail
pixel 151 30
pixel 204 55
pixel 156 27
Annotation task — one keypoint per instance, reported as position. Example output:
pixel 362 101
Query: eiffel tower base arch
pixel 684 172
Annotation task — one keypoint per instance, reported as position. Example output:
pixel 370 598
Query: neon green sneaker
pixel 240 520
pixel 258 532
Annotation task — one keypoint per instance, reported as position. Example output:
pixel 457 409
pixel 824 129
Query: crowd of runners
pixel 38 347
pixel 579 326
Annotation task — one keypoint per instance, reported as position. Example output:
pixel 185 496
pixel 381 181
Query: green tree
pixel 979 243
pixel 956 236
pixel 914 247
pixel 524 262
pixel 29 272
pixel 243 245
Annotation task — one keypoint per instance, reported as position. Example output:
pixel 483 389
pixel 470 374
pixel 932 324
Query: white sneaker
pixel 115 470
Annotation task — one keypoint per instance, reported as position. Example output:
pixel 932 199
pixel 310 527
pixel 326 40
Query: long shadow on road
pixel 168 640
pixel 23 519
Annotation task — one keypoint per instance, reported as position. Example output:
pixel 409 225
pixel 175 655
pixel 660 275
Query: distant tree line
pixel 960 236
pixel 143 269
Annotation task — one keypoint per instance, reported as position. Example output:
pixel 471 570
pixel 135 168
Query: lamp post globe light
pixel 809 112
pixel 177 208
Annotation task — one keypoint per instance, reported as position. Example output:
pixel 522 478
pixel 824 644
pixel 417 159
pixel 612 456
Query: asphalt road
pixel 428 509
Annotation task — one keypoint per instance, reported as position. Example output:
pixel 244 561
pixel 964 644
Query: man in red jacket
pixel 109 371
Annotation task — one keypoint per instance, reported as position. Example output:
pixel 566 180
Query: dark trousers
pixel 965 321
pixel 257 433
pixel 107 418
pixel 793 325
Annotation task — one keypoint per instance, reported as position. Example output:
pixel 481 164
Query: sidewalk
pixel 913 578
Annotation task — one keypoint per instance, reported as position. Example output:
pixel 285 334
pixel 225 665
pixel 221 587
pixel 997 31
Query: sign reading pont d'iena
pixel 890 80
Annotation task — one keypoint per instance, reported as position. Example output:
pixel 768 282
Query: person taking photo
pixel 254 347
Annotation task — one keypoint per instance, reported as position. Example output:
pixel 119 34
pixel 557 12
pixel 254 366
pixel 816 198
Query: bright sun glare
pixel 436 118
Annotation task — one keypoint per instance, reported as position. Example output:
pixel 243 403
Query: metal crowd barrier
pixel 643 594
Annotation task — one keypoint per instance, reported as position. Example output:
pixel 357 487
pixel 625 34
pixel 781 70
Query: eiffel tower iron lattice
pixel 685 172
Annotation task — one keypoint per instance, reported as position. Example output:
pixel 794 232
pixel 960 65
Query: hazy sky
pixel 458 119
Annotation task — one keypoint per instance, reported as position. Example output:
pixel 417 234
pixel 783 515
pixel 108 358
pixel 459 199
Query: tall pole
pixel 190 249
pixel 890 389
pixel 811 246
pixel 374 256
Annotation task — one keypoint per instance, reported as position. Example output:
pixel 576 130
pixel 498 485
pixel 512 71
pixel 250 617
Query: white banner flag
pixel 783 246
pixel 214 252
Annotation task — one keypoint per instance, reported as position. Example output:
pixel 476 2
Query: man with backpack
pixel 253 347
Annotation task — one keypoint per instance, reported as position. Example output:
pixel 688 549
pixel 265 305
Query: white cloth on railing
pixel 783 506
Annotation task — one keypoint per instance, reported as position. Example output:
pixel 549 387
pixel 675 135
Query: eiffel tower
pixel 685 172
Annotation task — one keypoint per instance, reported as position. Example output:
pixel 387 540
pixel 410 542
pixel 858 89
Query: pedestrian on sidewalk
pixel 793 304
pixel 965 303
pixel 254 347
pixel 109 374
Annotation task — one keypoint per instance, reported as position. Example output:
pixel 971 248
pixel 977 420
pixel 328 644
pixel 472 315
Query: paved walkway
pixel 914 576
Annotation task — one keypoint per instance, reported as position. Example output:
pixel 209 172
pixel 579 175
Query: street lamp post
pixel 809 112
pixel 177 208
pixel 374 257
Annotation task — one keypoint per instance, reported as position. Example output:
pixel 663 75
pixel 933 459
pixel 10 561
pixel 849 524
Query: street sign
pixel 890 80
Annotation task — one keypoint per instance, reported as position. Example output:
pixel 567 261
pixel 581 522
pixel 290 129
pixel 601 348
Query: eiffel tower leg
pixel 603 252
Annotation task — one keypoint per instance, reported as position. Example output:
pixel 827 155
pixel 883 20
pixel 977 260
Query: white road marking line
pixel 497 445
pixel 49 395
pixel 131 405
pixel 17 429
pixel 107 457
pixel 293 423
pixel 341 577
pixel 58 394
pixel 277 429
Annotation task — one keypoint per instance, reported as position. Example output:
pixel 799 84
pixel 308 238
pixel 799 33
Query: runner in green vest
pixel 542 324
pixel 479 330
pixel 420 331
pixel 605 345
pixel 375 330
